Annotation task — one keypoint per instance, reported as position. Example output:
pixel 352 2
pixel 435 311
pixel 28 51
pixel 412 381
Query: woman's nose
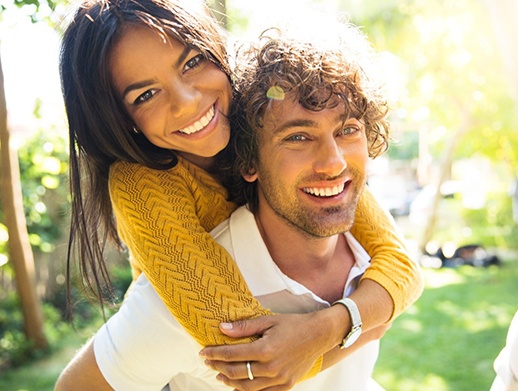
pixel 185 99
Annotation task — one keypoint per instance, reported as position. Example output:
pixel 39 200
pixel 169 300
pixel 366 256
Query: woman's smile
pixel 200 124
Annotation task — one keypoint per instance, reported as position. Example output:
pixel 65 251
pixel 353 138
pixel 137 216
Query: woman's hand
pixel 289 346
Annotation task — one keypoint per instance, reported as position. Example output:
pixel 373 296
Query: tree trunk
pixel 444 173
pixel 20 249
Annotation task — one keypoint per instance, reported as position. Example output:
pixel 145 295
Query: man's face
pixel 311 168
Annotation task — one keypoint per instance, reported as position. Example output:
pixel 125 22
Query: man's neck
pixel 321 264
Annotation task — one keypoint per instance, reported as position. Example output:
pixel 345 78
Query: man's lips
pixel 329 191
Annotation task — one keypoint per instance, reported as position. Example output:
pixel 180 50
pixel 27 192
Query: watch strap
pixel 356 322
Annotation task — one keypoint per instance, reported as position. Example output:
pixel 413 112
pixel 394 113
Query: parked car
pixel 471 254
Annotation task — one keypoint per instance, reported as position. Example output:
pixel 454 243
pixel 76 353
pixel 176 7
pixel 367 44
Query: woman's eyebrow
pixel 145 83
pixel 136 86
pixel 183 56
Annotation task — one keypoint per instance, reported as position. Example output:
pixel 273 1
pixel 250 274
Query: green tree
pixel 456 91
pixel 19 246
pixel 20 250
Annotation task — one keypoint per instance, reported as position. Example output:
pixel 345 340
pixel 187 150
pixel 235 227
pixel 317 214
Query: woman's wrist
pixel 337 323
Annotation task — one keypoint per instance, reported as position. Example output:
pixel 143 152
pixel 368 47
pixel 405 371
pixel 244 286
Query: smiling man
pixel 306 120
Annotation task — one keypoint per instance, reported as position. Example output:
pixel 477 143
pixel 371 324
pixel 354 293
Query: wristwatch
pixel 356 322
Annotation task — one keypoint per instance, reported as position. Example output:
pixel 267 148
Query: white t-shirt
pixel 143 347
pixel 506 364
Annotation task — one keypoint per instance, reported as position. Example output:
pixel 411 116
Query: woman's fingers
pixel 242 352
pixel 234 370
pixel 247 328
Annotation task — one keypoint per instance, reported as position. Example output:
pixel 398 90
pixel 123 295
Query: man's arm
pixel 82 373
pixel 141 347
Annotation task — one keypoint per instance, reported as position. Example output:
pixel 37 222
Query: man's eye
pixel 144 97
pixel 194 62
pixel 296 137
pixel 349 130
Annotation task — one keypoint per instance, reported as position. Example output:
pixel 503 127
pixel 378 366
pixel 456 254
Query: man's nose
pixel 330 158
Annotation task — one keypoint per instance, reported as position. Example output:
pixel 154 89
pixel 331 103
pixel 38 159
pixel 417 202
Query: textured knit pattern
pixel 164 218
pixel 391 266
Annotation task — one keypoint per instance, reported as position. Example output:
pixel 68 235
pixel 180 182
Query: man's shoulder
pixel 360 254
pixel 221 232
pixel 225 232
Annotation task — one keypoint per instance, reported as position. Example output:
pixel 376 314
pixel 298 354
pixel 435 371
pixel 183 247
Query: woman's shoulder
pixel 124 171
pixel 183 174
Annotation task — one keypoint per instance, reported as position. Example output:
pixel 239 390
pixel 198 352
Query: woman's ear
pixel 250 176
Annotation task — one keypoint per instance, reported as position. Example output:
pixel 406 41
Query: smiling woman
pixel 177 96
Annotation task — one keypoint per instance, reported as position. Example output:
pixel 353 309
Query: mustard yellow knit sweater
pixel 164 218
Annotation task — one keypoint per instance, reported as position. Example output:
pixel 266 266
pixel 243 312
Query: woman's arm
pixel 389 286
pixel 391 266
pixel 168 237
pixel 303 337
pixel 164 217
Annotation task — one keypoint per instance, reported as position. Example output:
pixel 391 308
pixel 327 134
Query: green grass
pixel 448 340
pixel 41 374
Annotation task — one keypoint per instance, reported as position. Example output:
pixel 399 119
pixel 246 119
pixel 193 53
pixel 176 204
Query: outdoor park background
pixel 448 180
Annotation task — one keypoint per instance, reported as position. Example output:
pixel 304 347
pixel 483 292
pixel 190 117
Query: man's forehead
pixel 288 111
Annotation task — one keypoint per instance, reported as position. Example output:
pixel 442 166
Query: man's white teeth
pixel 200 124
pixel 325 191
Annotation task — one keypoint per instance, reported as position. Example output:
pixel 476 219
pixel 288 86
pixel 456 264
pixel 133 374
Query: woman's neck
pixel 206 163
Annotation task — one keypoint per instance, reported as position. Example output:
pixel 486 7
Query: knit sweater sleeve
pixel 164 217
pixel 391 266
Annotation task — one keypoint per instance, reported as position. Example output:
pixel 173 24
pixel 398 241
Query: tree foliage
pixel 447 67
pixel 452 70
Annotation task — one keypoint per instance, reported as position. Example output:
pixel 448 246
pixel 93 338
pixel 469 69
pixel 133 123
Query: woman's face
pixel 177 98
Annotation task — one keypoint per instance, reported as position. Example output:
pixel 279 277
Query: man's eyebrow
pixel 306 123
pixel 296 123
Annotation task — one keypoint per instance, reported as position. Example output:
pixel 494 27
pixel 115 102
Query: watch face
pixel 352 336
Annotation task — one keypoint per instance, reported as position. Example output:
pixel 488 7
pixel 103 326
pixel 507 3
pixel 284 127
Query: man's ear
pixel 250 176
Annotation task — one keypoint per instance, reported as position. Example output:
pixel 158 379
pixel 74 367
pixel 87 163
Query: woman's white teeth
pixel 325 191
pixel 200 124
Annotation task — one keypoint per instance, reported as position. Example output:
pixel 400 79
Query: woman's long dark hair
pixel 100 130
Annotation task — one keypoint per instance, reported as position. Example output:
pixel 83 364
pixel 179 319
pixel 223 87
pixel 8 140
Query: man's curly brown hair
pixel 313 73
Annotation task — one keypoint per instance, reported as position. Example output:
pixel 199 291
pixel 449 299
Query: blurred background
pixel 450 179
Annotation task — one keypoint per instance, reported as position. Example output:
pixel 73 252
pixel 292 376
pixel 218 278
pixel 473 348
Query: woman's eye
pixel 144 97
pixel 194 62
